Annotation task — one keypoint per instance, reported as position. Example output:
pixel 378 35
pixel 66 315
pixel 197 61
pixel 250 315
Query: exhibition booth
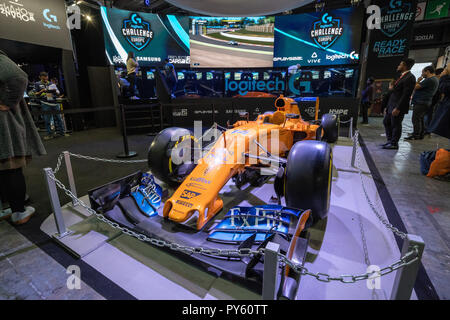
pixel 257 183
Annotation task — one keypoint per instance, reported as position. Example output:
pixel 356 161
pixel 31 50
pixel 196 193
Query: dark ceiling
pixel 163 7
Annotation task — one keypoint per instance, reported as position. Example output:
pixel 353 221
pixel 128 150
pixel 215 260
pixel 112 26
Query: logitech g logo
pixel 326 31
pixel 395 3
pixel 137 31
pixel 49 18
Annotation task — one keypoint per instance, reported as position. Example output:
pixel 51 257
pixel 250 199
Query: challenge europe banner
pixel 151 37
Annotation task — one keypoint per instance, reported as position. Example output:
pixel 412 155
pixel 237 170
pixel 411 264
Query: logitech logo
pixel 252 85
pixel 137 31
pixel 326 31
pixel 51 18
pixel 353 56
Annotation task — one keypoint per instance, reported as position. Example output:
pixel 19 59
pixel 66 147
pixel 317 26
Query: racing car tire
pixel 308 177
pixel 330 128
pixel 159 154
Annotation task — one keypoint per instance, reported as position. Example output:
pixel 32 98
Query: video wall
pixel 318 38
pixel 151 37
pixel 328 38
pixel 221 42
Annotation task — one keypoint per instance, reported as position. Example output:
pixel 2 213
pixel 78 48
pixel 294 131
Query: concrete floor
pixel 423 203
pixel 32 266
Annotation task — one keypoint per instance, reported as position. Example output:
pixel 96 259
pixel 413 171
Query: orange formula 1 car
pixel 278 143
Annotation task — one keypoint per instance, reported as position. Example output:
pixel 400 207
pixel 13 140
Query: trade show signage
pixel 428 35
pixel 420 12
pixel 40 22
pixel 185 112
pixel 318 38
pixel 437 9
pixel 151 37
pixel 390 44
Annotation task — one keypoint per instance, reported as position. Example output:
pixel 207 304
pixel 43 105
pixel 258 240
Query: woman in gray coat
pixel 19 139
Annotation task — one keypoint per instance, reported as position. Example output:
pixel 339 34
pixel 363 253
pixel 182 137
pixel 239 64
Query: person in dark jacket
pixel 440 124
pixel 398 104
pixel 386 96
pixel 366 100
pixel 436 98
pixel 422 99
pixel 19 139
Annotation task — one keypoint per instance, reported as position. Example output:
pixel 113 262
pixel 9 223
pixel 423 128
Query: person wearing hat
pixel 19 139
pixel 45 91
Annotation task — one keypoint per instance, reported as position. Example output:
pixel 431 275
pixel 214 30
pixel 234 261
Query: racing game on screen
pixel 231 42
pixel 318 38
pixel 151 37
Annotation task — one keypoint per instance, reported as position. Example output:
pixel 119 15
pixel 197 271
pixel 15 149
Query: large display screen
pixel 151 37
pixel 231 42
pixel 318 38
pixel 40 22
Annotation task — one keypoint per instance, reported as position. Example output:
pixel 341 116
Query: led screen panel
pixel 151 37
pixel 231 42
pixel 318 38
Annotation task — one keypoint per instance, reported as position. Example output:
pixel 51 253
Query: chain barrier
pixel 369 201
pixel 409 258
pixel 79 156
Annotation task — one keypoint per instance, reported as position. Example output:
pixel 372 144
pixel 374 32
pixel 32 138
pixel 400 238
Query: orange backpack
pixel 441 164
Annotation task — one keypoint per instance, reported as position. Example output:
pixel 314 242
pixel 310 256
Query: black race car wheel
pixel 330 128
pixel 308 177
pixel 166 143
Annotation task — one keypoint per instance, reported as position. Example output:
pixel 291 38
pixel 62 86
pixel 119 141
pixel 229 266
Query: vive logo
pixel 137 31
pixel 49 18
pixel 326 31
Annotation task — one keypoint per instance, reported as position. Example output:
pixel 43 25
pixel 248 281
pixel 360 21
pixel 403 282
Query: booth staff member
pixel 171 77
pixel 45 91
pixel 18 140
pixel 425 89
pixel 366 100
pixel 132 67
pixel 440 124
pixel 398 104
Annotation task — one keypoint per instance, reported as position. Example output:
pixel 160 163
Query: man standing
pixel 45 92
pixel 398 104
pixel 171 77
pixel 366 100
pixel 425 89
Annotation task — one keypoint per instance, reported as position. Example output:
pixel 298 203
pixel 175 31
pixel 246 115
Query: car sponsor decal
pixel 189 194
pixel 184 203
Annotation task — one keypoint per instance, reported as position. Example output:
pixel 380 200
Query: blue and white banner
pixel 318 38
pixel 151 37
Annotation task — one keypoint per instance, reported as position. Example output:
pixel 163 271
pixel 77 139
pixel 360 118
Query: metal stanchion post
pixel 350 130
pixel 271 274
pixel 56 205
pixel 354 154
pixel 406 276
pixel 127 153
pixel 70 176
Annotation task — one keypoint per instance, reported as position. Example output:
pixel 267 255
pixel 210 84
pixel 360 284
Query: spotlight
pixel 355 3
pixel 320 5
pixel 88 17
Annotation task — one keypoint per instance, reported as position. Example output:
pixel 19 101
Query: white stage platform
pixel 336 246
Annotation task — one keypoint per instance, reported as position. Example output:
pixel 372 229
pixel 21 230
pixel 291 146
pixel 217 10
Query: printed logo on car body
pixel 188 194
